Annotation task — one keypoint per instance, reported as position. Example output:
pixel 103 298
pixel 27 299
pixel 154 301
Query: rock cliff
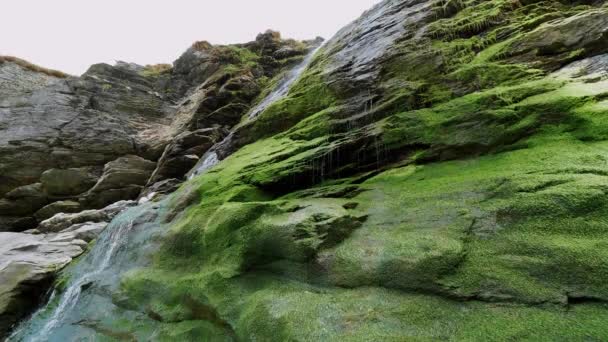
pixel 71 144
pixel 437 172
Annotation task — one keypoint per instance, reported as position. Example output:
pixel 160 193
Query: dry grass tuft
pixel 33 67
pixel 156 69
pixel 202 45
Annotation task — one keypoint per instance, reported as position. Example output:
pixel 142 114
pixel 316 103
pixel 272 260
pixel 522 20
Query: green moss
pixel 491 224
pixel 307 97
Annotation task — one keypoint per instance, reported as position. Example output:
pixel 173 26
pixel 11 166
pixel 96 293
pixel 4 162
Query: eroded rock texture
pixel 66 139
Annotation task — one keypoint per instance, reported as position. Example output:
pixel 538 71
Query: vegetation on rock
pixel 437 173
pixel 460 197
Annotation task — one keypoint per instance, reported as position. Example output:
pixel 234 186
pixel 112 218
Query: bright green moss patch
pixel 308 96
pixel 337 263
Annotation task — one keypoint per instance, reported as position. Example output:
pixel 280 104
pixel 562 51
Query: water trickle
pixel 87 298
pixel 209 160
pixel 284 85
pixel 220 150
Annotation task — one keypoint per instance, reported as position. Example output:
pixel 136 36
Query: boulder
pixel 123 172
pixel 28 264
pixel 74 181
pixel 63 221
pixel 56 208
pixel 122 179
pixel 27 191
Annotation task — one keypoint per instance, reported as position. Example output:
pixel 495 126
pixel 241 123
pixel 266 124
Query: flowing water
pixel 87 300
pixel 86 304
pixel 209 160
pixel 284 85
pixel 213 156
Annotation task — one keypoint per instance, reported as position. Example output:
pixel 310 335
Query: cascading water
pixel 86 301
pixel 82 308
pixel 209 160
pixel 284 85
pixel 213 157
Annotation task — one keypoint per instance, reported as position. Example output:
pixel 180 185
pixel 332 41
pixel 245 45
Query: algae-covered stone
pixel 435 184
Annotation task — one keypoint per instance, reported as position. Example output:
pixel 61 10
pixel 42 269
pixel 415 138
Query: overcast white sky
pixel 70 35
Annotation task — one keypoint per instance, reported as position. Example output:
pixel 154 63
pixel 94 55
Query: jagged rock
pixel 57 182
pixel 555 41
pixel 67 123
pixel 184 152
pixel 63 221
pixel 56 208
pixel 122 178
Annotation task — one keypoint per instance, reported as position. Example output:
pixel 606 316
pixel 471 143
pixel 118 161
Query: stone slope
pixel 437 173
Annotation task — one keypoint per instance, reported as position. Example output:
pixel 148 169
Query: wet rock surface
pixel 30 261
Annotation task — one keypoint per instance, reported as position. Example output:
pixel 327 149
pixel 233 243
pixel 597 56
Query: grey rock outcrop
pixel 60 133
pixel 66 138
pixel 63 221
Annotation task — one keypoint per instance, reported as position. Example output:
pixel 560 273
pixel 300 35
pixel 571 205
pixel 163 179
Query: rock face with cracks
pixel 69 134
pixel 438 172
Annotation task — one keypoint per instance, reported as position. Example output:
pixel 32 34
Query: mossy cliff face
pixel 68 144
pixel 438 173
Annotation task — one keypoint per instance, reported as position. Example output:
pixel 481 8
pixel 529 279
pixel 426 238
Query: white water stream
pixel 124 245
pixel 212 158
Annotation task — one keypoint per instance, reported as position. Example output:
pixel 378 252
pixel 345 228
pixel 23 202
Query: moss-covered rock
pixel 460 197
pixel 437 173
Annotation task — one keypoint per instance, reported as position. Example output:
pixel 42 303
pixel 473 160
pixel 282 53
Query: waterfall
pixel 209 160
pixel 87 297
pixel 125 244
pixel 284 85
pixel 213 157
